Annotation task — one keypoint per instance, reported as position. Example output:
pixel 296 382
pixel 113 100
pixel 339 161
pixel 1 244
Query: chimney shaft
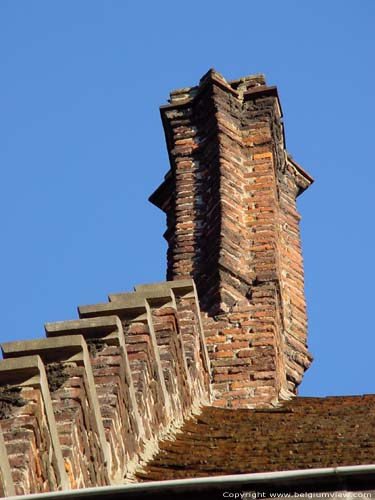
pixel 233 226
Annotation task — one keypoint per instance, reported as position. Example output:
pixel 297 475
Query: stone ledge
pixel 156 298
pixel 179 287
pixel 133 307
pixel 88 327
pixel 50 349
pixel 26 366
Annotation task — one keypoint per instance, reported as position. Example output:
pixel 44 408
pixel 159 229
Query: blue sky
pixel 82 147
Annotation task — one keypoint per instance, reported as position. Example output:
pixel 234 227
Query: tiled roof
pixel 303 433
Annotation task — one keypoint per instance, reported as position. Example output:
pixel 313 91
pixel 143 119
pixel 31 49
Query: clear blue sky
pixel 82 147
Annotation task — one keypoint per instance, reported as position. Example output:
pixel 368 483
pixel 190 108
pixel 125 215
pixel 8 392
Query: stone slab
pixel 158 297
pixel 50 349
pixel 178 286
pixel 133 307
pixel 88 327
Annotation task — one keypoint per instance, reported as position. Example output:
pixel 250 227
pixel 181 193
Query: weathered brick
pixel 247 250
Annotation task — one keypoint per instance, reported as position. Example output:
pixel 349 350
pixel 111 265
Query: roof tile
pixel 303 433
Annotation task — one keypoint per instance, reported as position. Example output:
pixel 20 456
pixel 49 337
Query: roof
pixel 303 433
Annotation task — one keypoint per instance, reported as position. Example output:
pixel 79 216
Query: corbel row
pixel 87 405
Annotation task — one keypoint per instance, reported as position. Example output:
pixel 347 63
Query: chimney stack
pixel 233 226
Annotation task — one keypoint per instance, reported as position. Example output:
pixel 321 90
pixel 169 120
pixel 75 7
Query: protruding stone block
pixel 75 405
pixel 185 298
pixel 133 308
pixel 180 287
pixel 31 423
pixel 158 298
pixel 114 385
pixel 89 327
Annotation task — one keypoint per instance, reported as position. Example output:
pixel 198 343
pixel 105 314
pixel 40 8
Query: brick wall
pixel 88 405
pixel 233 226
pixel 33 457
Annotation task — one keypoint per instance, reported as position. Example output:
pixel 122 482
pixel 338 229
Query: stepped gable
pixel 88 404
pixel 304 433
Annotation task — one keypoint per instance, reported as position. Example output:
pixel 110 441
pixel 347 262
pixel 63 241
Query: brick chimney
pixel 233 226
